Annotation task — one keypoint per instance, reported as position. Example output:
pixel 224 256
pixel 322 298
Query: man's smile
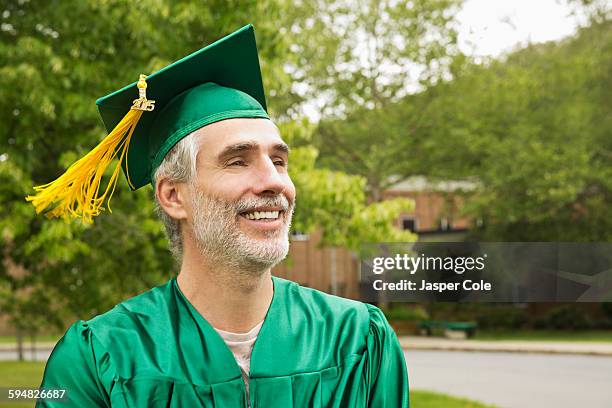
pixel 265 219
pixel 262 214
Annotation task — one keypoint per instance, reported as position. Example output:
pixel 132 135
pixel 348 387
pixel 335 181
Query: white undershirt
pixel 241 345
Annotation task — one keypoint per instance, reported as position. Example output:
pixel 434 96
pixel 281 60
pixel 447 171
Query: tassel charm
pixel 76 193
pixel 142 103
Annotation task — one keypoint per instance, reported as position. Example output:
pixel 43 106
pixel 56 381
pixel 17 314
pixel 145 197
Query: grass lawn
pixel 29 374
pixel 601 336
pixel 427 399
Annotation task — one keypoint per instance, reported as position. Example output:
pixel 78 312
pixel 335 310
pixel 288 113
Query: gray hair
pixel 179 165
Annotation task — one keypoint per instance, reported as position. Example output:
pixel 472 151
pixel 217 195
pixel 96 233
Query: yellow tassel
pixel 76 192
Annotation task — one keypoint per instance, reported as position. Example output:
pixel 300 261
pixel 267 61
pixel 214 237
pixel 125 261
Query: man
pixel 224 333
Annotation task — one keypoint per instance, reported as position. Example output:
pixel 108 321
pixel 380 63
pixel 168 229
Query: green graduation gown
pixel 156 350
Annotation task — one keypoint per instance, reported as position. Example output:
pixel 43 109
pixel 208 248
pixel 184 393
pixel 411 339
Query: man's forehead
pixel 254 132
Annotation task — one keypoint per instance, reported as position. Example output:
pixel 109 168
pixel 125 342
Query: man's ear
pixel 173 198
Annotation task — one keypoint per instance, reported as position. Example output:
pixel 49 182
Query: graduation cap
pixel 218 82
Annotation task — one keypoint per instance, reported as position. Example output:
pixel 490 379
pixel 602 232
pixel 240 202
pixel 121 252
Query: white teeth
pixel 258 215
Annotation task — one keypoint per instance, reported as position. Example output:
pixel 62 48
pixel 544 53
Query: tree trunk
pixel 33 346
pixel 19 345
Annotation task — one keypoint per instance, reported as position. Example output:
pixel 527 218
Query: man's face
pixel 242 195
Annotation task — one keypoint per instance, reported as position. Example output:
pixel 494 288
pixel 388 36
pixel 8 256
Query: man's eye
pixel 280 162
pixel 238 163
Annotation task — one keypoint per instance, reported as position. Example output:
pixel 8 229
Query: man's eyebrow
pixel 249 146
pixel 282 147
pixel 237 148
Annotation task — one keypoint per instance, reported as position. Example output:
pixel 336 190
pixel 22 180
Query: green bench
pixel 466 329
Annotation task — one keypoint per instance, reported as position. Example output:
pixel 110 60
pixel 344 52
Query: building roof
pixel 422 183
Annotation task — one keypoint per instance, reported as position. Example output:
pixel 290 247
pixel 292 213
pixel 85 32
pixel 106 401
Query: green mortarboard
pixel 221 81
pixel 218 82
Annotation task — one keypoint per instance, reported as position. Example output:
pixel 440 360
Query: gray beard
pixel 219 238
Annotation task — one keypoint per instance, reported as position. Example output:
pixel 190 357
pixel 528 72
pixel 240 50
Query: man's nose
pixel 268 180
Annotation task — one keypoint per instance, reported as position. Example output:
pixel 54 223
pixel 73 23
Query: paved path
pixel 556 347
pixel 513 379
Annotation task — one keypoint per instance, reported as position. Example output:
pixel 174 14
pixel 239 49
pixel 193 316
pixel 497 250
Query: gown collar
pixel 271 335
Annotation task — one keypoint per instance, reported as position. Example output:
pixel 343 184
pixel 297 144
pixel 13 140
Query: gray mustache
pixel 250 203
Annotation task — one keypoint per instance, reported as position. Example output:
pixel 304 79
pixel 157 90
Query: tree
pixel 545 121
pixel 531 128
pixel 376 52
pixel 52 69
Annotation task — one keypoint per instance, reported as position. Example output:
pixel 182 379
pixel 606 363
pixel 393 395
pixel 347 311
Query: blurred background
pixel 439 120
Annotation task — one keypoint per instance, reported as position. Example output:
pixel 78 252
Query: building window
pixel 409 224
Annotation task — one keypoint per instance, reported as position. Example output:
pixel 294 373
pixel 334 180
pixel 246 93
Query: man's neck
pixel 229 299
